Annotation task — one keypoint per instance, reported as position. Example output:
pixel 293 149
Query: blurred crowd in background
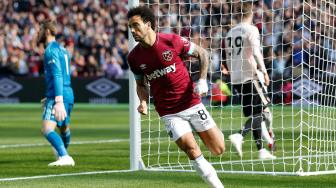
pixel 95 33
pixel 297 36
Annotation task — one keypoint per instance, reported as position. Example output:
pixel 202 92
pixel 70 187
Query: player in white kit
pixel 250 79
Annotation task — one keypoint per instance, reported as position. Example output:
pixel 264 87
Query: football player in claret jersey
pixel 59 95
pixel 157 58
pixel 249 78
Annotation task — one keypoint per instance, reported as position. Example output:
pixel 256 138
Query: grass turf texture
pixel 20 124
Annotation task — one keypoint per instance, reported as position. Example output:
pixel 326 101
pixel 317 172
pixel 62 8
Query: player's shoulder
pixel 252 28
pixel 167 36
pixel 133 53
pixel 52 48
pixel 171 38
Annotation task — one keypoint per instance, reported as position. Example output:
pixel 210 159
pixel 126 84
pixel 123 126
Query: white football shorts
pixel 196 118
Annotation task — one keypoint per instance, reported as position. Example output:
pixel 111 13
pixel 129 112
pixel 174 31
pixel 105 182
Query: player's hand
pixel 142 108
pixel 59 111
pixel 267 79
pixel 201 87
pixel 224 70
pixel 43 101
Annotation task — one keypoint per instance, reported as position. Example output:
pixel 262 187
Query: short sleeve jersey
pixel 162 65
pixel 241 42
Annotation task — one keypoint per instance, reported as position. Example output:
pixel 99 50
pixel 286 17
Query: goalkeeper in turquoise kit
pixel 59 95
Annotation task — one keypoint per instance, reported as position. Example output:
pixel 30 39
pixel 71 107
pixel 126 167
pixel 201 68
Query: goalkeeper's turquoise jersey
pixel 57 72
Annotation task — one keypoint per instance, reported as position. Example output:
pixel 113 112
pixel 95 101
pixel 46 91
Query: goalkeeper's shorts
pixel 48 115
pixel 196 118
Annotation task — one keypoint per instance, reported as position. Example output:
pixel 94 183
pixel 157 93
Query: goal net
pixel 298 40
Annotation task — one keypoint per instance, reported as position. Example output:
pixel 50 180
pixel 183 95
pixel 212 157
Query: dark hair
pixel 145 13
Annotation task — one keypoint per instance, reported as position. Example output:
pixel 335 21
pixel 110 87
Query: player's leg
pixel 237 138
pixel 65 135
pixel 180 131
pixel 260 102
pixel 266 126
pixel 206 128
pixel 267 129
pixel 65 128
pixel 213 139
pixel 48 130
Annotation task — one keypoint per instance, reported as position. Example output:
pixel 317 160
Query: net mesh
pixel 299 50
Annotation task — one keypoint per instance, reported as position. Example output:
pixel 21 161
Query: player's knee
pixel 193 152
pixel 220 149
pixel 46 130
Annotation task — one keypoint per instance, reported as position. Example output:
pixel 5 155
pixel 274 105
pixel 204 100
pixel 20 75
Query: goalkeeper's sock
pixel 66 138
pixel 207 172
pixel 56 141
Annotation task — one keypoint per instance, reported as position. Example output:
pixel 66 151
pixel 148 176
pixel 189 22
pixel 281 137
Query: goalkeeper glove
pixel 201 87
pixel 59 109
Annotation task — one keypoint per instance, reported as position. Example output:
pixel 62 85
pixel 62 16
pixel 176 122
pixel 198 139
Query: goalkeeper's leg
pixel 48 130
pixel 65 128
pixel 65 135
pixel 189 145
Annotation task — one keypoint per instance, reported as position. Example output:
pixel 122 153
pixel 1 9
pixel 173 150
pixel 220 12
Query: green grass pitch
pixel 100 143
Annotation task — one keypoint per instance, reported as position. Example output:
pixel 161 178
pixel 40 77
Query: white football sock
pixel 207 172
pixel 265 133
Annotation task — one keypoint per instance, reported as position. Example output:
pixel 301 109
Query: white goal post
pixel 298 39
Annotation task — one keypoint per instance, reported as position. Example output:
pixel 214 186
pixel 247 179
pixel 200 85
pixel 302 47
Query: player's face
pixel 138 28
pixel 41 36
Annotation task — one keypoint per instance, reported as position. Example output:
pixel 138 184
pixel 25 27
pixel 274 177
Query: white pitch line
pixel 72 143
pixel 62 175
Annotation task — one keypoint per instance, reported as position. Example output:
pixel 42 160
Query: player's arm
pixel 142 92
pixel 255 41
pixel 203 56
pixel 141 86
pixel 56 71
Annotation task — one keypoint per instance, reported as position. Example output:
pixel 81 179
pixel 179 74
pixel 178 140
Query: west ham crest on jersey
pixel 167 55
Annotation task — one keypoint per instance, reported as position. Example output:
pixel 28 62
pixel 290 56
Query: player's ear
pixel 47 32
pixel 149 25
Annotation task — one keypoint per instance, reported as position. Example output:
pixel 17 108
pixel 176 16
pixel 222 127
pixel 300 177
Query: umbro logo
pixel 103 87
pixel 143 66
pixel 8 87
